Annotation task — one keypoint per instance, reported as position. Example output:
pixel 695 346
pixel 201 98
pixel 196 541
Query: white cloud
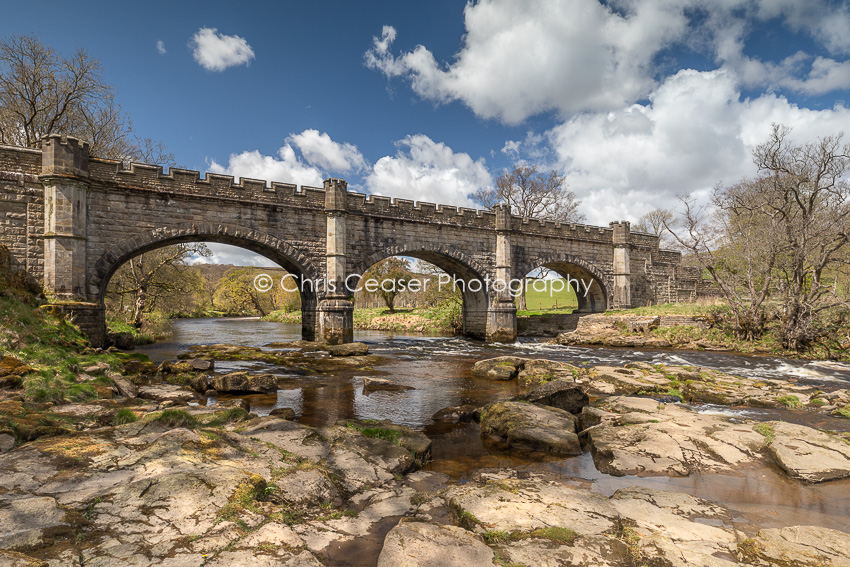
pixel 425 170
pixel 319 149
pixel 160 47
pixel 522 58
pixel 226 254
pixel 216 52
pixel 519 59
pixel 696 131
pixel 287 167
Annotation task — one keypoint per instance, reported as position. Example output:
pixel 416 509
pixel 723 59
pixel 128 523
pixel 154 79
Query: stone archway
pixel 476 300
pixel 592 299
pixel 284 254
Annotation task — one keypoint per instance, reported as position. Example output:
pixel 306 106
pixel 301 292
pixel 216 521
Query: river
pixel 439 370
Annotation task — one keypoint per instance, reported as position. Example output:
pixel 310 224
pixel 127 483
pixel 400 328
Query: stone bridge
pixel 70 220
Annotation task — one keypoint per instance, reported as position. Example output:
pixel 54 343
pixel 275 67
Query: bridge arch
pixel 456 264
pixel 592 300
pixel 282 253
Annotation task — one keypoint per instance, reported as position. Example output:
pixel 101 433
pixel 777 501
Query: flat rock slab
pixel 420 544
pixel 808 454
pixel 530 426
pixel 797 546
pixel 167 393
pixel 24 521
pixel 652 439
pixel 512 505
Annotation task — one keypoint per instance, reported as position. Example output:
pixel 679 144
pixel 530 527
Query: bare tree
pixel 42 92
pixel 655 222
pixel 782 235
pixel 532 193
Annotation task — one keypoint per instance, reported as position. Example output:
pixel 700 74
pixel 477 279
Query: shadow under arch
pixel 594 298
pixel 458 266
pixel 282 253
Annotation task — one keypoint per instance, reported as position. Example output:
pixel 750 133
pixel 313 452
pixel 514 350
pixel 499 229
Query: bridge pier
pixel 622 269
pixel 336 309
pixel 501 314
pixel 65 178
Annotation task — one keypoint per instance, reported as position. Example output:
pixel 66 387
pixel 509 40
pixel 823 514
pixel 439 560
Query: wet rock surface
pixel 530 426
pixel 242 382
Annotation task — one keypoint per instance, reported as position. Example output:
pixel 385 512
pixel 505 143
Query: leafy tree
pixel 391 276
pixel 532 193
pixel 236 292
pixel 43 92
pixel 148 281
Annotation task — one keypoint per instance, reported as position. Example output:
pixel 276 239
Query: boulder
pixel 202 364
pixel 348 349
pixel 796 546
pixel 499 368
pixel 371 384
pixel 97 369
pixel 200 383
pixel 124 386
pixel 808 454
pixel 561 394
pixel 531 426
pixel 244 382
pixel 460 414
pixel 421 544
pixel 123 341
pixel 284 413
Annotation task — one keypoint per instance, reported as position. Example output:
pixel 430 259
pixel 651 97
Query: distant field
pixel 547 298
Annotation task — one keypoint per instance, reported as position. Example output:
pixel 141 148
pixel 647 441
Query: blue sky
pixel 634 101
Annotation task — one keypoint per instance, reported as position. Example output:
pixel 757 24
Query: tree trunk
pixel 520 300
pixel 139 307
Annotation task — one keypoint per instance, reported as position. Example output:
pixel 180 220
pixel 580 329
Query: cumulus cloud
pixel 286 167
pixel 697 130
pixel 160 47
pixel 226 254
pixel 216 52
pixel 319 149
pixel 425 170
pixel 569 56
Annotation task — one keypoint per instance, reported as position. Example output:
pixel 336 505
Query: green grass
pixel 389 435
pixel 561 536
pixel 766 430
pixel 175 418
pixel 124 415
pixel 547 298
pixel 694 309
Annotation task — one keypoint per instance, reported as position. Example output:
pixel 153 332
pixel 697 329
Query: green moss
pixel 817 402
pixel 843 412
pixel 766 430
pixel 789 401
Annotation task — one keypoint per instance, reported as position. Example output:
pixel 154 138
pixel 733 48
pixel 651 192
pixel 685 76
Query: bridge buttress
pixel 336 309
pixel 501 315
pixel 65 178
pixel 622 267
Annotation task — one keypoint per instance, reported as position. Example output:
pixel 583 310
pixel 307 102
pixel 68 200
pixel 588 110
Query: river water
pixel 439 370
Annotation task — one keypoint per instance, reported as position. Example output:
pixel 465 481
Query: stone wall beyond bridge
pixel 70 220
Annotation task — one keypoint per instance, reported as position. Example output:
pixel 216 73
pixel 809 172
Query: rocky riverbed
pixel 184 483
